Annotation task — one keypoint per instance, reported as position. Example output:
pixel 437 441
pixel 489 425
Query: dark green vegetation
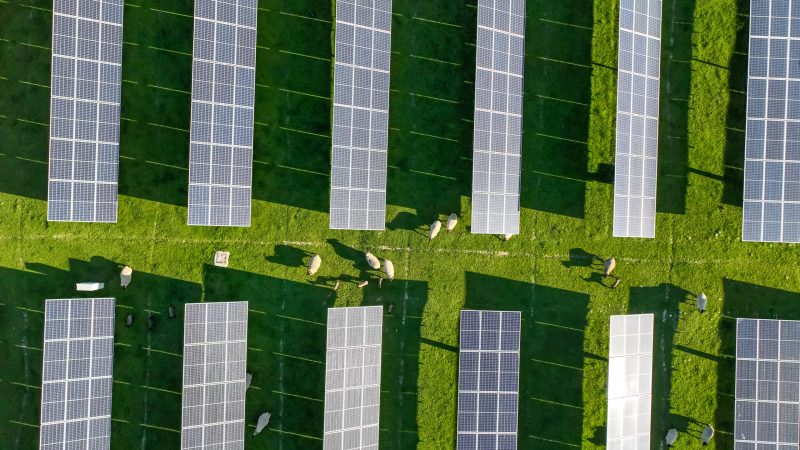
pixel 547 271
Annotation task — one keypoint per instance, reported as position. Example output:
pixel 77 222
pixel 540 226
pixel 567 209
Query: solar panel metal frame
pixel 223 97
pixel 86 77
pixel 767 392
pixel 214 375
pixel 630 382
pixel 488 400
pixel 353 378
pixel 77 374
pixel 771 200
pixel 497 141
pixel 360 132
pixel 638 77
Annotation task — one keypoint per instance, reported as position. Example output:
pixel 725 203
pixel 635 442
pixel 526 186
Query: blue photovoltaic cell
pixel 223 95
pixel 497 144
pixel 84 111
pixel 488 380
pixel 360 114
pixel 77 374
pixel 771 210
pixel 637 118
pixel 767 379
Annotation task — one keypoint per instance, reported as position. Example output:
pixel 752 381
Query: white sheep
pixel 125 277
pixel 507 236
pixel 363 283
pixel 372 261
pixel 435 227
pixel 263 421
pixel 452 221
pixel 609 266
pixel 672 436
pixel 313 265
pixel 388 267
pixel 702 302
pixel 707 434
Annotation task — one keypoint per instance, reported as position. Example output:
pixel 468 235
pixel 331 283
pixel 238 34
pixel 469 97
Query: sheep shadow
pixel 289 256
pixel 404 220
pixel 579 257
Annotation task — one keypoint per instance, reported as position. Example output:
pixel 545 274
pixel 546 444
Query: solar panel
pixel 223 93
pixel 637 118
pixel 353 378
pixel 767 380
pixel 84 111
pixel 214 375
pixel 497 144
pixel 77 374
pixel 488 380
pixel 360 114
pixel 771 211
pixel 630 379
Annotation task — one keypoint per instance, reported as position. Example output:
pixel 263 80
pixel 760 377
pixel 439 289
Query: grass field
pixel 546 272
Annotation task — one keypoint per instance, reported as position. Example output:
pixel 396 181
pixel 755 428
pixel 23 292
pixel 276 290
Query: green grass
pixel 546 272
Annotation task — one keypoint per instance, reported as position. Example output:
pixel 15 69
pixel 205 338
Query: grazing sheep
pixel 672 435
pixel 313 265
pixel 388 267
pixel 363 283
pixel 391 308
pixel 129 320
pixel 380 283
pixel 507 236
pixel 151 321
pixel 263 421
pixel 609 266
pixel 336 286
pixel 249 380
pixel 372 261
pixel 171 312
pixel 435 227
pixel 616 283
pixel 125 277
pixel 702 302
pixel 452 221
pixel 707 434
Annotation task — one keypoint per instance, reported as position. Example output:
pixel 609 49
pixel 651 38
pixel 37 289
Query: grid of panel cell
pixel 77 374
pixel 497 147
pixel 488 380
pixel 214 375
pixel 223 93
pixel 767 380
pixel 353 378
pixel 638 78
pixel 84 111
pixel 360 114
pixel 771 211
pixel 630 379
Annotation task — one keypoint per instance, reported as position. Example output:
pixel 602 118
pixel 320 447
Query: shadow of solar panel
pixel 630 363
pixel 767 379
pixel 353 378
pixel 488 380
pixel 223 94
pixel 771 210
pixel 637 118
pixel 360 115
pixel 77 369
pixel 499 62
pixel 214 375
pixel 84 111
